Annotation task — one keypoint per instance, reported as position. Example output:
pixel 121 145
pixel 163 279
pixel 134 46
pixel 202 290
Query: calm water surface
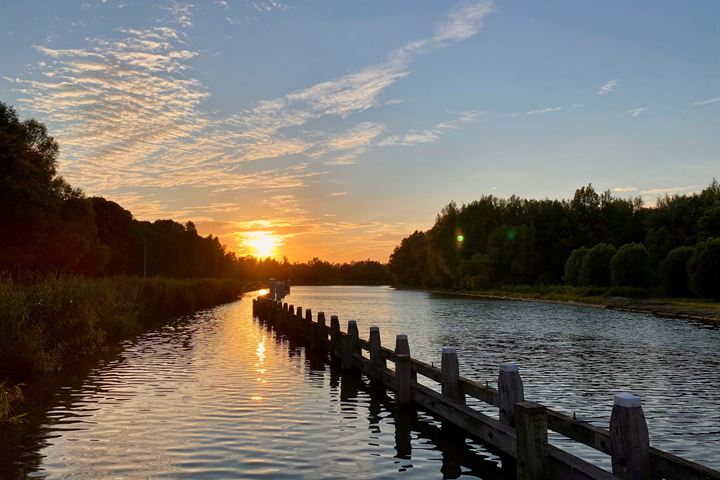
pixel 219 395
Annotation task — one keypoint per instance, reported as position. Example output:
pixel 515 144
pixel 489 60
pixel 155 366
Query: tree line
pixel 593 239
pixel 49 227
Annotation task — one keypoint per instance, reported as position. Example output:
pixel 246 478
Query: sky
pixel 332 129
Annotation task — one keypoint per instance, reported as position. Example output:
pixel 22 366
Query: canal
pixel 219 395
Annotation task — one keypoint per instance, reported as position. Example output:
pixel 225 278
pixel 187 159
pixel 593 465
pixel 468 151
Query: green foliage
pixel 10 397
pixel 674 271
pixel 551 249
pixel 595 266
pixel 408 262
pixel 704 268
pixel 45 323
pixel 630 266
pixel 572 266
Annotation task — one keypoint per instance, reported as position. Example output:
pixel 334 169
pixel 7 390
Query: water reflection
pixel 220 395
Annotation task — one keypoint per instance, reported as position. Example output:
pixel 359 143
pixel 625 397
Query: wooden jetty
pixel 521 433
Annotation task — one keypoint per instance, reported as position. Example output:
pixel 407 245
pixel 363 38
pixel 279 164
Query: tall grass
pixel 48 323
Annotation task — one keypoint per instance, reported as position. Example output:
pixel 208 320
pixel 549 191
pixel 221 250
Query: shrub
pixel 595 266
pixel 572 265
pixel 704 269
pixel 630 266
pixel 674 271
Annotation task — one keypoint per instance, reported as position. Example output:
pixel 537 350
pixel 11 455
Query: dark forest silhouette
pixel 594 239
pixel 50 227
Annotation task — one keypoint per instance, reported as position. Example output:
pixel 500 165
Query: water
pixel 219 395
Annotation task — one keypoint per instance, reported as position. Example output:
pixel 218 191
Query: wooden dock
pixel 520 434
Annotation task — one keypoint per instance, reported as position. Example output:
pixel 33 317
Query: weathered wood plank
pixel 531 438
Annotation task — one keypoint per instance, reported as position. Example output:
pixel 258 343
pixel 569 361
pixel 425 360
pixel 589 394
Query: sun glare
pixel 262 244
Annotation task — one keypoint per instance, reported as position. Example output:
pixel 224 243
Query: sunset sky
pixel 333 129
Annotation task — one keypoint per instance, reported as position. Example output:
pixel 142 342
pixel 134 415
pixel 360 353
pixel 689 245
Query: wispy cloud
pixel 608 87
pixel 540 111
pixel 337 194
pixel 416 137
pixel 670 190
pixel 127 110
pixel 636 111
pixel 624 189
pixel 707 102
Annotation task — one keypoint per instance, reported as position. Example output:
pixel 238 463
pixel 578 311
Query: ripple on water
pixel 217 395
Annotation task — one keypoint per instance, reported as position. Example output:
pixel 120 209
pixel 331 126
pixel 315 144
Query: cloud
pixel 670 190
pixel 707 102
pixel 336 194
pixel 637 111
pixel 624 189
pixel 181 13
pixel 267 5
pixel 415 137
pixel 540 111
pixel 127 111
pixel 608 87
pixel 412 137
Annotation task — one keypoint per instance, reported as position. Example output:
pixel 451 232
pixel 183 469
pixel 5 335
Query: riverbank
pixel 49 323
pixel 688 308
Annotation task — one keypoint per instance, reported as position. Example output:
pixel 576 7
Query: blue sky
pixel 337 128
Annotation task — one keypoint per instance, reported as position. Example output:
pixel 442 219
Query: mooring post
pixel 320 331
pixel 376 357
pixel 629 439
pixel 254 307
pixel 334 334
pixel 450 375
pixel 403 392
pixel 405 348
pixel 510 390
pixel 307 330
pixel 347 351
pixel 355 334
pixel 531 441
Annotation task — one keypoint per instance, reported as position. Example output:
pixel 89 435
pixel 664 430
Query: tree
pixel 572 266
pixel 595 266
pixel 704 267
pixel 674 271
pixel 630 266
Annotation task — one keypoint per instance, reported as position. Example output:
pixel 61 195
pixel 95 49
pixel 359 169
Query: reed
pixel 47 323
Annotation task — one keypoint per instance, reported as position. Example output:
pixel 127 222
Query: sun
pixel 262 244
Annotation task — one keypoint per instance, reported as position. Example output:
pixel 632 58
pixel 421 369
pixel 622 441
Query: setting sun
pixel 262 244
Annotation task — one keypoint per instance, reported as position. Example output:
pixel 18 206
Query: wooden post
pixel 334 334
pixel 347 351
pixel 254 307
pixel 405 348
pixel 403 392
pixel 531 440
pixel 629 439
pixel 376 357
pixel 510 390
pixel 320 331
pixel 353 332
pixel 450 375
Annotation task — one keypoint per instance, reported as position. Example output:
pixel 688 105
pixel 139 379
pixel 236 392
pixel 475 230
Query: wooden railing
pixel 520 434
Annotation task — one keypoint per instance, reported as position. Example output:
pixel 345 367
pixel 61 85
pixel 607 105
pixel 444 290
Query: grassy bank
pixel 49 323
pixel 640 300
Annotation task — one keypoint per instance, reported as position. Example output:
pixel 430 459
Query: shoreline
pixel 655 306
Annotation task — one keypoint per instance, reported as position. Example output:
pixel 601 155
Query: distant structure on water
pixel 278 289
